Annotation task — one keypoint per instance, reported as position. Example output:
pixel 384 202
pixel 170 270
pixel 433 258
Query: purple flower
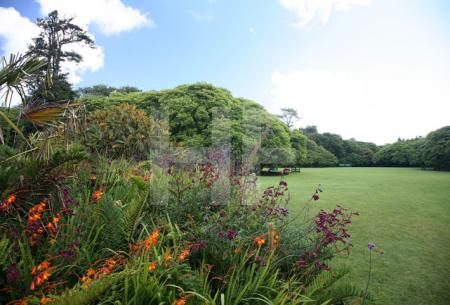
pixel 260 260
pixel 283 183
pixel 66 253
pixel 199 245
pixel 370 246
pixel 12 273
pixel 231 234
pixel 283 211
pixel 221 234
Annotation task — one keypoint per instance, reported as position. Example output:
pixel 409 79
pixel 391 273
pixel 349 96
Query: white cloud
pixel 377 103
pixel 110 16
pixel 206 16
pixel 309 10
pixel 92 61
pixel 16 31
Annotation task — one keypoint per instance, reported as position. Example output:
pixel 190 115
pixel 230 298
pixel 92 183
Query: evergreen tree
pixel 50 45
pixel 289 116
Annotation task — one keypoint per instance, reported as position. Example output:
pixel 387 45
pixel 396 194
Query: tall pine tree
pixel 56 33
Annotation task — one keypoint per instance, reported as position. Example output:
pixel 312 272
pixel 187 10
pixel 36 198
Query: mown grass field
pixel 404 211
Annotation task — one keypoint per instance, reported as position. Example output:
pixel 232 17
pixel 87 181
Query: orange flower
pixel 167 257
pixel 274 238
pixel 152 266
pixel 11 198
pixel 45 273
pixel 8 201
pixel 90 272
pixel 34 217
pixel 42 266
pixel 151 240
pixel 23 301
pixel 44 300
pixel 56 218
pixel 259 241
pixel 51 227
pixel 86 279
pixel 184 254
pixel 181 301
pixel 97 195
pixel 108 267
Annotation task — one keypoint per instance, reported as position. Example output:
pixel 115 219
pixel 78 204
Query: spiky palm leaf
pixel 14 72
pixel 43 114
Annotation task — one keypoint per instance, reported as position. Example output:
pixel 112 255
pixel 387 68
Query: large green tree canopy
pixel 204 116
pixel 401 153
pixel 436 149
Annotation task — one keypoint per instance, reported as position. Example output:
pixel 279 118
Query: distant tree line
pixel 105 90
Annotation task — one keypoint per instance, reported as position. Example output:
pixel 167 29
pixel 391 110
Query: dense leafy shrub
pixel 317 156
pixel 108 235
pixel 355 153
pixel 401 153
pixel 298 142
pixel 436 149
pixel 203 116
pixel 124 131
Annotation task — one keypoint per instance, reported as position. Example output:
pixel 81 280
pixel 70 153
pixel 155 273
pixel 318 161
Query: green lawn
pixel 405 212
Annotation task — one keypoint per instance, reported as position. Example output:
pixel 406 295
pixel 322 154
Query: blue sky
pixel 374 70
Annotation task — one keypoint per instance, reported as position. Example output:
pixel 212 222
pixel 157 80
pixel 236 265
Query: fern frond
pixel 132 216
pixel 324 280
pixel 5 248
pixel 344 292
pixel 84 295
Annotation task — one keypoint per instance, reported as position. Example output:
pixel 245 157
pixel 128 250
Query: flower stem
pixel 368 278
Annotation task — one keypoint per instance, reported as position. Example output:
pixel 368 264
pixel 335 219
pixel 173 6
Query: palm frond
pixel 14 72
pixel 43 114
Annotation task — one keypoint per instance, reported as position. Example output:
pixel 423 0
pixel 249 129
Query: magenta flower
pixel 231 234
pixel 370 246
pixel 259 260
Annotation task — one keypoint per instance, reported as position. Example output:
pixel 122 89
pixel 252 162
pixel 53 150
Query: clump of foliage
pixel 318 156
pixel 106 236
pixel 104 90
pixel 298 143
pixel 401 153
pixel 351 152
pixel 203 116
pixel 124 131
pixel 436 149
